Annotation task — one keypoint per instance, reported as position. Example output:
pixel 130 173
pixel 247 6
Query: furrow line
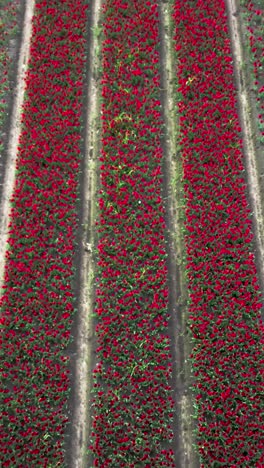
pixel 85 328
pixel 184 423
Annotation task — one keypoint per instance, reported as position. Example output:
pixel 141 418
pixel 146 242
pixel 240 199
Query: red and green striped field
pixel 132 410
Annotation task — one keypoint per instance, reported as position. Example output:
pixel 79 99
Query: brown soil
pixel 84 341
pixel 13 53
pixel 184 421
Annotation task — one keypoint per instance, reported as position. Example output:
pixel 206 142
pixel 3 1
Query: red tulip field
pixel 160 65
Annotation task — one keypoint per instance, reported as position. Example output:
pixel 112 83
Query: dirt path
pixel 252 163
pixel 85 339
pixel 11 48
pixel 9 179
pixel 184 422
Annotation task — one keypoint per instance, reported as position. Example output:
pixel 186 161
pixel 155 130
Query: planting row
pixel 224 292
pixel 37 306
pixel 132 405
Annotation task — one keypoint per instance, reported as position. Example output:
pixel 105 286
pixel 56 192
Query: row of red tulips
pixel 37 306
pixel 224 291
pixel 132 404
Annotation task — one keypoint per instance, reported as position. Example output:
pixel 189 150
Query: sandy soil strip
pixel 9 181
pixel 184 424
pixel 85 333
pixel 251 162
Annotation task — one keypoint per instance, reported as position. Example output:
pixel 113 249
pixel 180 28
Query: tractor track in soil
pixel 13 51
pixel 184 423
pixel 84 340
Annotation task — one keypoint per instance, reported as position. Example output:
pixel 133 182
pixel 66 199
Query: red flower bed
pixel 37 306
pixel 224 291
pixel 133 404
